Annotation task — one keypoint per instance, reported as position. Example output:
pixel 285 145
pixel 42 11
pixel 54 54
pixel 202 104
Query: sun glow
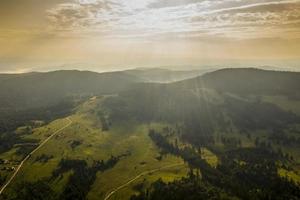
pixel 155 32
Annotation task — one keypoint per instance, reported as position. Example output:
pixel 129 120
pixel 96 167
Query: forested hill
pixel 20 93
pixel 39 89
pixel 247 81
pixel 46 96
pixel 243 94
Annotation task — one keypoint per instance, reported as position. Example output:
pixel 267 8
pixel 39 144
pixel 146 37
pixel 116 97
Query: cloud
pixel 173 3
pixel 151 18
pixel 80 15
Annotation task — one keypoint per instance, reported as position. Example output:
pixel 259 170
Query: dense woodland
pixel 10 120
pixel 246 173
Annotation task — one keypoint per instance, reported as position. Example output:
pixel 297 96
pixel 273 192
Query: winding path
pixel 29 155
pixel 139 176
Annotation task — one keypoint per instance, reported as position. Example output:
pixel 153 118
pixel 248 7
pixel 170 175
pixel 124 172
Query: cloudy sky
pixel 102 35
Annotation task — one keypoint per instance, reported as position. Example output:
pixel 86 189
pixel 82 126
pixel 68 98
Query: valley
pixel 149 100
pixel 210 137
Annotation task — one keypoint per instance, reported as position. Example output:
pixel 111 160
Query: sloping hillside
pixel 87 160
pixel 249 122
pixel 247 81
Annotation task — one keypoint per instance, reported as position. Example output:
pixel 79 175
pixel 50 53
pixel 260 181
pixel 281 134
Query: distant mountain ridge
pixel 40 89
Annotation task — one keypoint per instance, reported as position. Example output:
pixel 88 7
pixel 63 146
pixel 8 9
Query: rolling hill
pixel 247 81
pixel 40 89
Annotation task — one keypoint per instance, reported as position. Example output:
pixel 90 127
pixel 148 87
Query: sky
pixel 105 35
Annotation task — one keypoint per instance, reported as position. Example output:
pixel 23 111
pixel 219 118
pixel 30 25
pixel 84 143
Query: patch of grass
pixel 289 174
pixel 209 157
pixel 167 175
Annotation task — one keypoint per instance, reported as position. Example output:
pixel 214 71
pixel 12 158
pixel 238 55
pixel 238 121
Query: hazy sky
pixel 106 35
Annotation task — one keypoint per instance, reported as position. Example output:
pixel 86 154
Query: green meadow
pixel 94 145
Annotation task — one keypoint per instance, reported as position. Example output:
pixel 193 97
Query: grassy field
pixel 289 174
pixel 95 144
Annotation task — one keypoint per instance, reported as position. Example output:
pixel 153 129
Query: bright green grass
pixel 289 174
pixel 209 157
